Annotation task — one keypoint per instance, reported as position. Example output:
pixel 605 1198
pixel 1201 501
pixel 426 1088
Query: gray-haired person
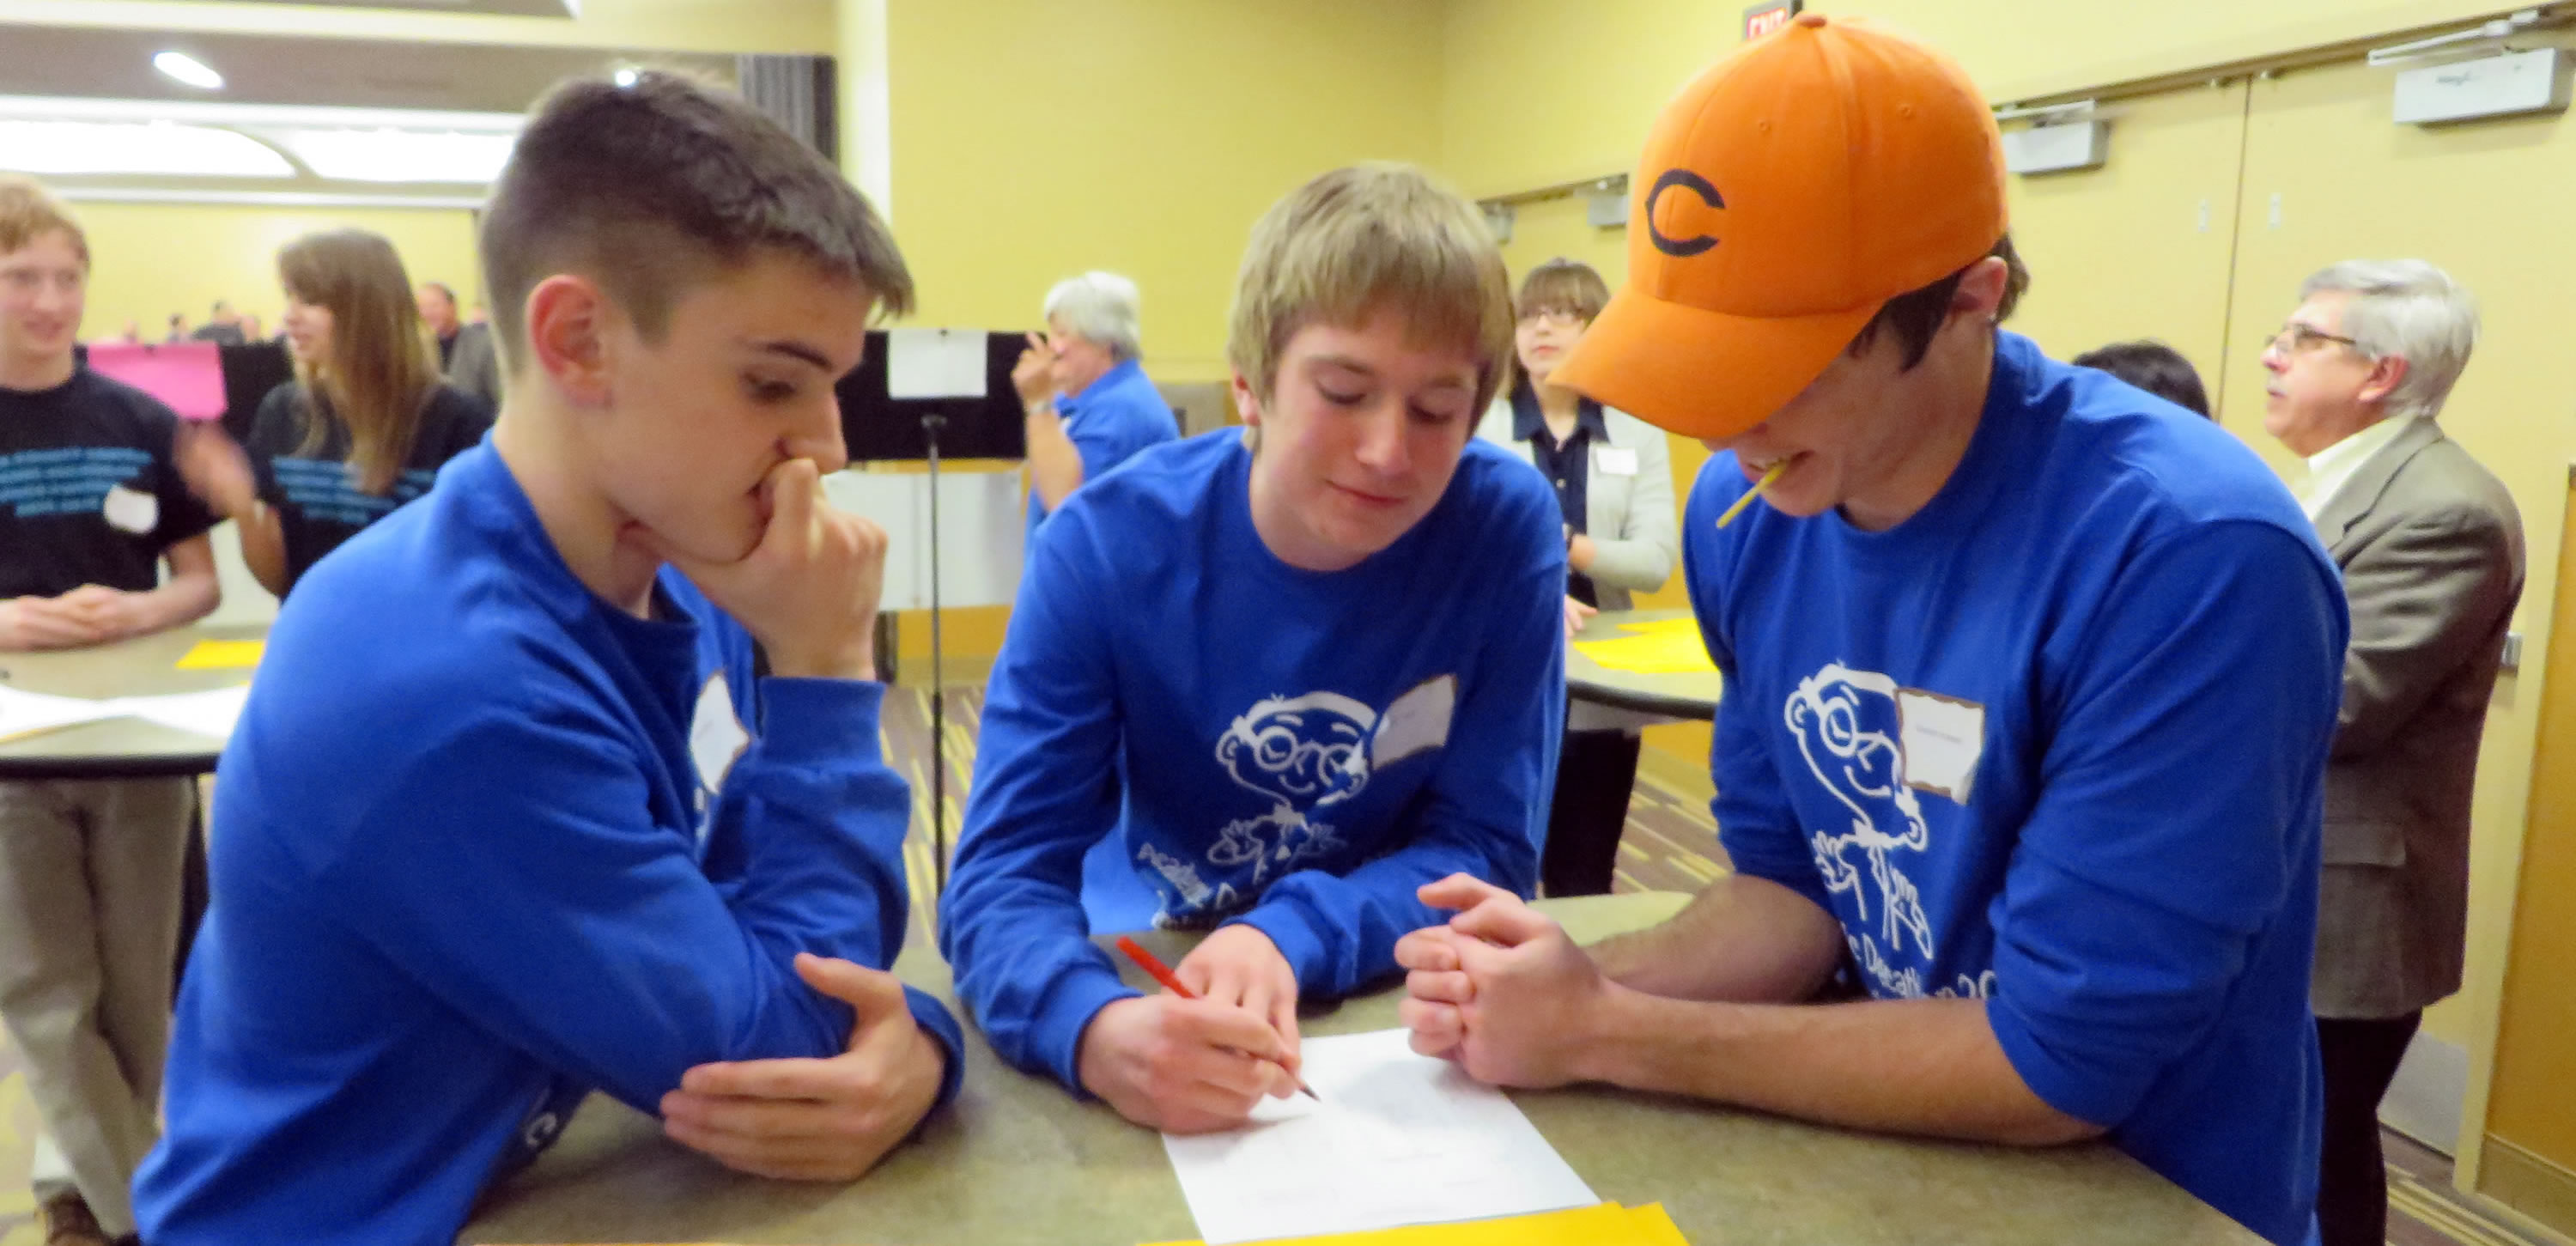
pixel 1089 405
pixel 2431 549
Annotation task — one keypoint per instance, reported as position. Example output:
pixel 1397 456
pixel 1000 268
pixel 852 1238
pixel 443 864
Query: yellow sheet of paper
pixel 1607 1224
pixel 1662 647
pixel 211 655
pixel 1661 652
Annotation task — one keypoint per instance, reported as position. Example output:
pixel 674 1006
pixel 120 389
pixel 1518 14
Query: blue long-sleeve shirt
pixel 2057 741
pixel 487 843
pixel 1295 750
pixel 1112 420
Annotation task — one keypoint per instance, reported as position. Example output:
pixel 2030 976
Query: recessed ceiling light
pixel 188 69
pixel 626 77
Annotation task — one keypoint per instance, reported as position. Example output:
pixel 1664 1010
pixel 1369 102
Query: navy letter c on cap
pixel 1681 248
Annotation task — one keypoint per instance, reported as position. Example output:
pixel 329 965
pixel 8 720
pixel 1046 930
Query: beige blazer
pixel 475 366
pixel 1629 515
pixel 2431 550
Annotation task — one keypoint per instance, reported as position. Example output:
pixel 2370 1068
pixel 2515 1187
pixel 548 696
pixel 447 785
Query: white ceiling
pixel 300 120
pixel 514 8
pixel 274 69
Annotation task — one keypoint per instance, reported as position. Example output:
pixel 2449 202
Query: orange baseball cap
pixel 1784 196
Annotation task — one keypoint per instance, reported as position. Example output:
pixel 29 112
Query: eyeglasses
pixel 2299 339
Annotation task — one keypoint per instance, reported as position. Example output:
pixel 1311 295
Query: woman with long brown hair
pixel 361 430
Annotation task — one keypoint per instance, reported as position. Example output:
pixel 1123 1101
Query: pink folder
pixel 188 376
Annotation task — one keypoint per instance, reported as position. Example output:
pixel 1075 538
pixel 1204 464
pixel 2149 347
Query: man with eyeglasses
pixel 2431 550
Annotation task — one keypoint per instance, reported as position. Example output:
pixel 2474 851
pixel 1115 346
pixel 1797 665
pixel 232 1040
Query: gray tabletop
pixel 1688 695
pixel 1019 1160
pixel 119 747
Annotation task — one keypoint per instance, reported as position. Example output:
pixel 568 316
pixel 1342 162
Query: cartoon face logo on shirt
pixel 1847 725
pixel 1303 754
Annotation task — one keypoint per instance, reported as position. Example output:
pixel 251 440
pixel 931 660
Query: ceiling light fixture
pixel 626 77
pixel 188 69
pixel 130 149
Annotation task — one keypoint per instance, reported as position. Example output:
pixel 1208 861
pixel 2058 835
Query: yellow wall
pixel 2157 224
pixel 804 26
pixel 2019 49
pixel 2534 1089
pixel 1033 140
pixel 149 260
pixel 1604 67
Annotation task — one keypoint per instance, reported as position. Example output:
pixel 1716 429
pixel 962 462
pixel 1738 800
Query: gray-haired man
pixel 1090 407
pixel 2431 550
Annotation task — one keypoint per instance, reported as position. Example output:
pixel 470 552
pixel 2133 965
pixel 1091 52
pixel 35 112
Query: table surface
pixel 1691 695
pixel 119 747
pixel 1018 1160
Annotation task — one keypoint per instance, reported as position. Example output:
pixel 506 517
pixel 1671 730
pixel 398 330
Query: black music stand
pixel 877 428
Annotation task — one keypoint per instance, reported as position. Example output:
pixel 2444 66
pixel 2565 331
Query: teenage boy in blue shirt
pixel 2030 680
pixel 513 813
pixel 1295 671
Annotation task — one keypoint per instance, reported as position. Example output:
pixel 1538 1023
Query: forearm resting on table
pixel 1914 1066
pixel 1743 939
pixel 182 601
pixel 191 592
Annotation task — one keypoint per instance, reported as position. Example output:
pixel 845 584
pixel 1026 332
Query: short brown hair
pixel 645 188
pixel 1562 285
pixel 1915 316
pixel 29 211
pixel 1362 237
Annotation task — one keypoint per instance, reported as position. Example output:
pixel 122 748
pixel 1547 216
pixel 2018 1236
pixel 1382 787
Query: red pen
pixel 1171 982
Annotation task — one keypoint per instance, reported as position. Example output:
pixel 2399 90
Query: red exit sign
pixel 1762 19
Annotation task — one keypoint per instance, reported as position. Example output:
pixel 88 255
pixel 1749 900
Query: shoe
pixel 68 1222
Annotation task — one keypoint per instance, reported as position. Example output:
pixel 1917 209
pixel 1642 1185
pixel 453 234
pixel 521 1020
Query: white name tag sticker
pixel 1418 722
pixel 716 735
pixel 1943 739
pixel 1615 460
pixel 131 510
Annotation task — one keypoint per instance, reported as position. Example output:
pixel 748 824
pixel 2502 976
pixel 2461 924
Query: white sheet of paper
pixel 27 713
pixel 205 713
pixel 934 363
pixel 1398 1139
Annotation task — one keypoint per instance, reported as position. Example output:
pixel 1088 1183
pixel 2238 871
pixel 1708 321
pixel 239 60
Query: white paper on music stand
pixel 983 522
pixel 934 363
pixel 1397 1139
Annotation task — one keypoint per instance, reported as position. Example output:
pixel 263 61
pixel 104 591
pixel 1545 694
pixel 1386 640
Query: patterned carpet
pixel 1670 845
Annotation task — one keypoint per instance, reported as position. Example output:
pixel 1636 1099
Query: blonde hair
pixel 381 369
pixel 1365 237
pixel 29 211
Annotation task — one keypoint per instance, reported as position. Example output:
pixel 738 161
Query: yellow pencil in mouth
pixel 1752 493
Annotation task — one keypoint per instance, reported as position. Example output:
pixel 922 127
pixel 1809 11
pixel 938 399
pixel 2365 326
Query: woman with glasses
pixel 1614 484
